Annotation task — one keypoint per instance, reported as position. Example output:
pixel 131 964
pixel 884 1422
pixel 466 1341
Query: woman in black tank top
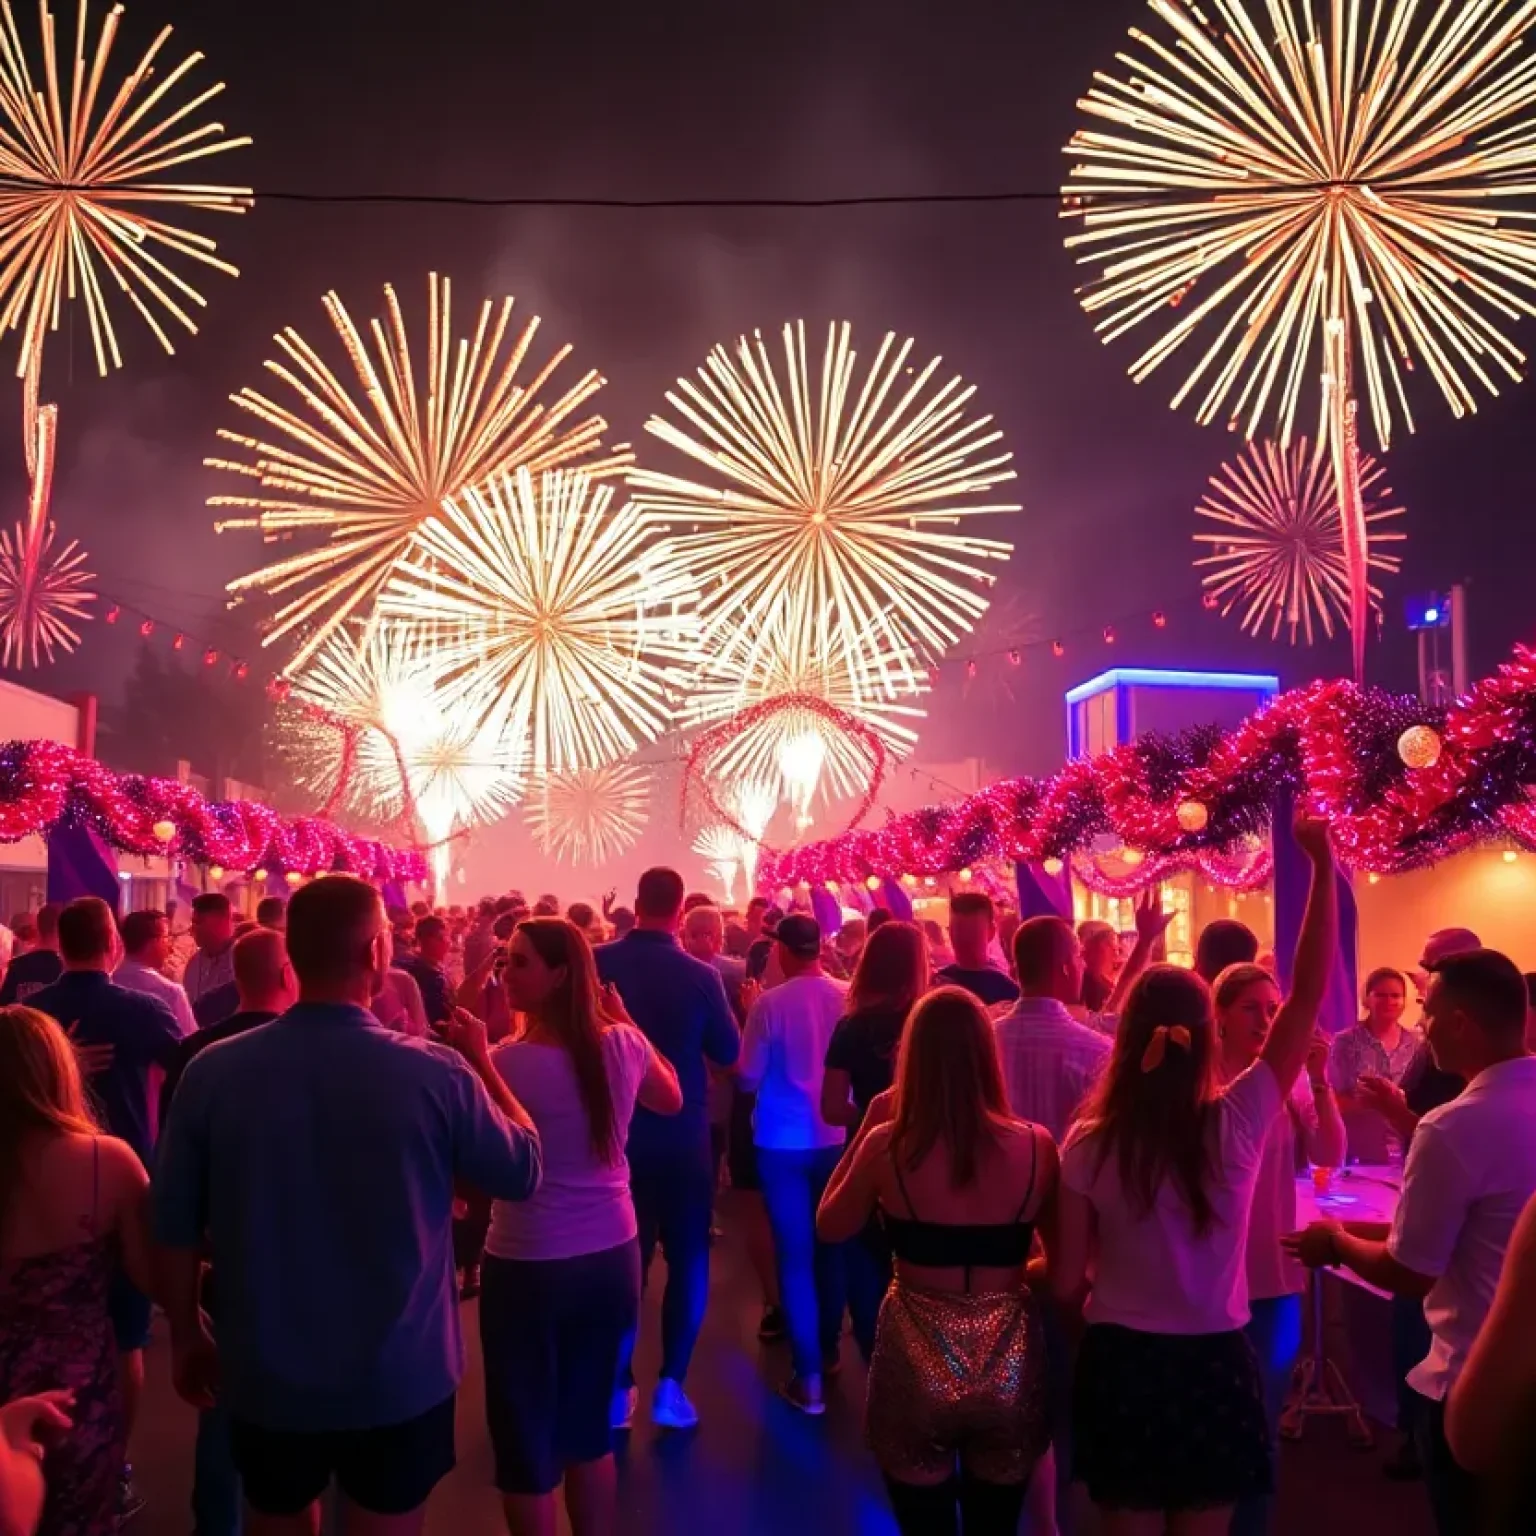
pixel 956 1411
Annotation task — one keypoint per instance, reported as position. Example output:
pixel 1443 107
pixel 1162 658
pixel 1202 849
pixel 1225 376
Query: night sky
pixel 693 99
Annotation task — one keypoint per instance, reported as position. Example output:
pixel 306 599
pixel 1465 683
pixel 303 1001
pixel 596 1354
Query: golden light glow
pixel 794 750
pixel 368 463
pixel 84 208
pixel 721 849
pixel 1255 179
pixel 592 815
pixel 1420 746
pixel 752 803
pixel 553 616
pixel 1279 553
pixel 829 501
pixel 413 748
pixel 45 591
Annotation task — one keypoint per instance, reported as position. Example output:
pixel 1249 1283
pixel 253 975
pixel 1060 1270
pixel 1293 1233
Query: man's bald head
pixel 263 975
pixel 1447 942
pixel 704 932
pixel 1049 960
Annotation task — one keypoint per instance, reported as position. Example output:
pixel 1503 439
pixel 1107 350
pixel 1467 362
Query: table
pixel 1351 1329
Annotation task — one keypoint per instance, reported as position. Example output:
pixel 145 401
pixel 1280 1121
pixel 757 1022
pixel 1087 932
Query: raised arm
pixel 470 1038
pixel 1290 1037
pixel 1151 924
pixel 1324 1138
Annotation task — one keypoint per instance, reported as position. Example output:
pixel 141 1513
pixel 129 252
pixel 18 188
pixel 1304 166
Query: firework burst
pixel 722 851
pixel 84 208
pixel 554 615
pixel 370 464
pixel 592 815
pixel 44 590
pixel 796 747
pixel 1279 552
pixel 414 755
pixel 830 505
pixel 1285 202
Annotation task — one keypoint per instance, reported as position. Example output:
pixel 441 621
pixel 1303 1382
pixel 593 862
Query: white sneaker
pixel 621 1408
pixel 670 1407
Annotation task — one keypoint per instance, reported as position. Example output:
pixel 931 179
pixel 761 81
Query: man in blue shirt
pixel 135 1033
pixel 679 1003
pixel 318 1155
pixel 39 967
pixel 427 968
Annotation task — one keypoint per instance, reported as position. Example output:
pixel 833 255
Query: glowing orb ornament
pixel 1193 816
pixel 1419 746
pixel 164 831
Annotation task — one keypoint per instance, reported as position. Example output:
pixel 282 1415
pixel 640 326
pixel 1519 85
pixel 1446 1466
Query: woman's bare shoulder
pixel 122 1170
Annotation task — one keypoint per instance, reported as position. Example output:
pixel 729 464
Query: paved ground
pixel 754 1467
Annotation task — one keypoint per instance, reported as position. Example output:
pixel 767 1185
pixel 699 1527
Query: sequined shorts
pixel 958 1377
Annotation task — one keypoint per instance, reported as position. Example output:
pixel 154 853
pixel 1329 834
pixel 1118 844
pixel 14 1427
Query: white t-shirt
pixel 1470 1171
pixel 582 1204
pixel 1155 1273
pixel 784 1056
pixel 1271 1271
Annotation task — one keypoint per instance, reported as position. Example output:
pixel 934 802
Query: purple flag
pixel 895 900
pixel 1043 895
pixel 81 864
pixel 824 907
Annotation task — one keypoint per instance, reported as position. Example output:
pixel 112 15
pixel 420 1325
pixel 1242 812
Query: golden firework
pixel 1286 200
pixel 592 815
pixel 369 466
pixel 722 851
pixel 83 206
pixel 44 590
pixel 415 752
pixel 553 615
pixel 830 500
pixel 1279 552
pixel 796 749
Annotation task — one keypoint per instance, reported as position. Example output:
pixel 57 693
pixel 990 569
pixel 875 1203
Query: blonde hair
pixel 41 1092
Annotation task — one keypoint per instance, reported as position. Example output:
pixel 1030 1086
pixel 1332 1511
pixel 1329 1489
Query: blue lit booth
pixel 1118 707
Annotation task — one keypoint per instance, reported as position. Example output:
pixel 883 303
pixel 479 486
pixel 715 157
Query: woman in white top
pixel 1247 1001
pixel 1158 1176
pixel 561 1278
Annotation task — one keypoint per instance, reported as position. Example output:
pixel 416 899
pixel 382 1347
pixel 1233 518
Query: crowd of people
pixel 1051 1184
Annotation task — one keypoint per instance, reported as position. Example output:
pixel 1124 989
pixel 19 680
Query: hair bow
pixel 1157 1046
